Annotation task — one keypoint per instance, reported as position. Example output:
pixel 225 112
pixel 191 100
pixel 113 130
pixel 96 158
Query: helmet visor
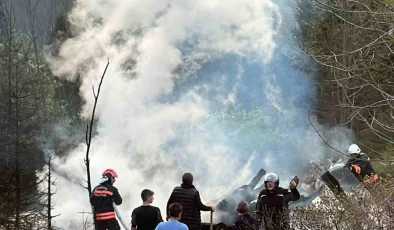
pixel 271 177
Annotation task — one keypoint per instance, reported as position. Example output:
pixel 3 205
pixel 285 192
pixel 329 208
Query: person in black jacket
pixel 188 196
pixel 360 165
pixel 273 202
pixel 102 198
pixel 146 216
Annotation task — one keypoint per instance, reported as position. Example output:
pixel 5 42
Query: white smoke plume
pixel 155 120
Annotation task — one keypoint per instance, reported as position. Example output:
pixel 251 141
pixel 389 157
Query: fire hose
pixel 211 222
pixel 120 217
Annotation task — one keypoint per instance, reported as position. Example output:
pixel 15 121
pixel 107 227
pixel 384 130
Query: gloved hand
pixel 355 168
pixel 293 185
pixel 294 182
pixel 370 179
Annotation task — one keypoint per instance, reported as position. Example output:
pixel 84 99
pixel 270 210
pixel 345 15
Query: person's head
pixel 187 179
pixel 354 151
pixel 175 210
pixel 271 181
pixel 242 207
pixel 109 175
pixel 147 196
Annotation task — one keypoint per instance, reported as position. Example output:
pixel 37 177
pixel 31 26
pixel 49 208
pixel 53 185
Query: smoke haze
pixel 192 86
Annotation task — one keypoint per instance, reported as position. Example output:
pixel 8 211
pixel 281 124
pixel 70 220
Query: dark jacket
pixel 244 222
pixel 146 217
pixel 189 198
pixel 361 166
pixel 272 208
pixel 102 198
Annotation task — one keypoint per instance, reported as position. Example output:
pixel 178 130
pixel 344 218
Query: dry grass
pixel 369 209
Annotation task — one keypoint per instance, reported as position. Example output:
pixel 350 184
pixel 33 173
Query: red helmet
pixel 110 171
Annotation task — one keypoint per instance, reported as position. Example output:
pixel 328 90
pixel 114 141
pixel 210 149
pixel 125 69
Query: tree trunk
pixel 49 206
pixel 343 74
pixel 18 172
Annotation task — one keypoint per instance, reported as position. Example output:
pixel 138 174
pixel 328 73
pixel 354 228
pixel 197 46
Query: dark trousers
pixel 111 224
pixel 193 228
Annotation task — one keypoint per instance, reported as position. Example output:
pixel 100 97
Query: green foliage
pixel 32 100
pixel 391 2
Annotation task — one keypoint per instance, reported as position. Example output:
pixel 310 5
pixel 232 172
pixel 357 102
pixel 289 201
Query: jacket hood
pixel 183 185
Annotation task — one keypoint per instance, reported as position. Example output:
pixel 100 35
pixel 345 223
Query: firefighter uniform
pixel 102 199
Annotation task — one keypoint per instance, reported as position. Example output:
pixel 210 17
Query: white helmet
pixel 271 177
pixel 354 149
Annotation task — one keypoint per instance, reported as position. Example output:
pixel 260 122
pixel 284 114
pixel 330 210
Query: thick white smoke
pixel 142 41
pixel 145 133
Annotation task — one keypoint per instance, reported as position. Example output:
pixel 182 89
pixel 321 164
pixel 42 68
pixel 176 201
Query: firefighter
pixel 360 165
pixel 273 202
pixel 102 199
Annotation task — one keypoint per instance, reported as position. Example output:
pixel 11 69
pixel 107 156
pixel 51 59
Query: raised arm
pixel 295 195
pixel 117 197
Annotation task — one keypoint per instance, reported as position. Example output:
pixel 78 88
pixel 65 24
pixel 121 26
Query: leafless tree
pixel 352 43
pixel 89 131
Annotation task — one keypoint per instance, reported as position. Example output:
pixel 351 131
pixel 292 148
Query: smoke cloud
pixel 192 86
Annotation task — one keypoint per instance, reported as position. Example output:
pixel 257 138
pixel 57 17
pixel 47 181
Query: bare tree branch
pixel 89 136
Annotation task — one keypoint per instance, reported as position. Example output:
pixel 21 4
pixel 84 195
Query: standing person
pixel 175 212
pixel 146 217
pixel 360 165
pixel 189 197
pixel 102 198
pixel 244 220
pixel 273 202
